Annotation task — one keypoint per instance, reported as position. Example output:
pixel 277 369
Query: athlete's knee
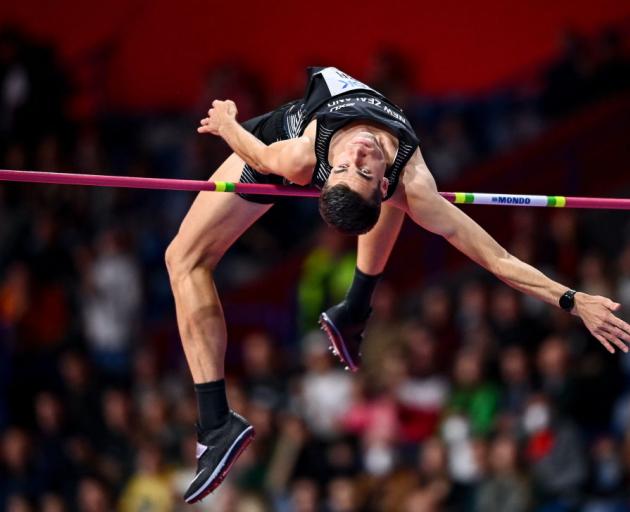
pixel 182 260
pixel 173 259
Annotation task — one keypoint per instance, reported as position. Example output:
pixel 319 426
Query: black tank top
pixel 336 99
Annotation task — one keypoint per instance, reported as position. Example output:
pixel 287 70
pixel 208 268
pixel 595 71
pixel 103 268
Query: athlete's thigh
pixel 375 246
pixel 217 219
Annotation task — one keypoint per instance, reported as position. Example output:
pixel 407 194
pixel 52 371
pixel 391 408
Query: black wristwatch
pixel 567 301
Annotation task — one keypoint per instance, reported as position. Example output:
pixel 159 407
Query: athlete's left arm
pixel 293 159
pixel 419 197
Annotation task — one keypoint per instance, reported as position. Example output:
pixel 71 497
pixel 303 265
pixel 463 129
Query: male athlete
pixel 357 147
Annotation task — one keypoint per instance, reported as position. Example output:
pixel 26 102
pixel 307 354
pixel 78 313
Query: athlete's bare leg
pixel 345 322
pixel 375 247
pixel 213 223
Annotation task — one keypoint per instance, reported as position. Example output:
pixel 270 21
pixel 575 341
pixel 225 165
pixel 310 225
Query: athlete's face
pixel 360 165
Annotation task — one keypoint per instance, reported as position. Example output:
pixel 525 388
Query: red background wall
pixel 164 47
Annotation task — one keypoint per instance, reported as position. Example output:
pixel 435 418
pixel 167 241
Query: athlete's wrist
pixel 226 126
pixel 578 299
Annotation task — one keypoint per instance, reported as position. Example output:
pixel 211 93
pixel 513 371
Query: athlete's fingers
pixel 617 336
pixel 616 331
pixel 604 342
pixel 612 305
pixel 617 342
pixel 621 345
pixel 624 326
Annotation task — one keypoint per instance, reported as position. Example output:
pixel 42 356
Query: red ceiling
pixel 165 46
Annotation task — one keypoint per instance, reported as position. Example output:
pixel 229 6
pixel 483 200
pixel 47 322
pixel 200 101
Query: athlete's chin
pixel 369 146
pixel 364 141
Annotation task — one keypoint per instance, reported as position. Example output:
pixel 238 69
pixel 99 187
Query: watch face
pixel 567 301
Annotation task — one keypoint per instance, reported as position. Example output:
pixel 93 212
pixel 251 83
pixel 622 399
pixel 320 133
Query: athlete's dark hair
pixel 348 211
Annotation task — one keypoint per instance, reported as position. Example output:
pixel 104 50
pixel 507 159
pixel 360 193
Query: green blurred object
pixel 479 404
pixel 324 280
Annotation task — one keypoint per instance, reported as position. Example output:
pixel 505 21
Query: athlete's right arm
pixel 418 195
pixel 293 159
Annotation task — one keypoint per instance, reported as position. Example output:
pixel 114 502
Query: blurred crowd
pixel 471 398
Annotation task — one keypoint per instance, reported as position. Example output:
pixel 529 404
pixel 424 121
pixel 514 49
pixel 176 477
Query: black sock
pixel 211 404
pixel 359 295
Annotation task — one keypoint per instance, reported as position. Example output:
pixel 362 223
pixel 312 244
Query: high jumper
pixel 358 148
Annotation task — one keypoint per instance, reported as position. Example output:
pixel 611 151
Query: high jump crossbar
pixel 99 180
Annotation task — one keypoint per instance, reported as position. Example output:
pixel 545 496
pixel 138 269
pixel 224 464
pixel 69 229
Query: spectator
pixel 47 321
pixel 149 485
pixel 52 503
pixel 14 295
pixel 507 321
pixel 436 315
pixel 19 477
pixel 52 462
pixel 563 246
pixel 304 496
pixel 374 419
pixel 384 330
pixel 472 310
pixel 516 386
pixel 505 490
pixel 425 499
pixel 593 276
pixel 18 503
pixel 433 461
pixel 80 398
pixel 325 389
pixel 452 150
pixel 554 369
pixel 116 438
pixel 423 394
pixel 326 275
pixel 342 496
pixel 472 395
pixel 606 482
pixel 154 424
pixel 263 378
pixel 93 496
pixel 285 455
pixel 556 454
pixel 111 302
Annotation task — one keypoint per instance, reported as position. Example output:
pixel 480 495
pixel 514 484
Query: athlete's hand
pixel 221 113
pixel 597 313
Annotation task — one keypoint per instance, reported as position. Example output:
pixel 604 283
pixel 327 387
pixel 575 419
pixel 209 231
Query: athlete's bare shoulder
pixel 417 172
pixel 415 181
pixel 311 130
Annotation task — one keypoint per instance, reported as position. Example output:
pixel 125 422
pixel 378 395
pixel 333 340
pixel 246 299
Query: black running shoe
pixel 345 334
pixel 217 450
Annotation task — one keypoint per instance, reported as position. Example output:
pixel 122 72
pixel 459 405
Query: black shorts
pixel 269 128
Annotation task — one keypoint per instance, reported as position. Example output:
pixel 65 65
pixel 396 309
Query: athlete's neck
pixel 386 140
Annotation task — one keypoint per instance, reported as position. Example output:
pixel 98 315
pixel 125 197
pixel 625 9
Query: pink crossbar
pixel 98 180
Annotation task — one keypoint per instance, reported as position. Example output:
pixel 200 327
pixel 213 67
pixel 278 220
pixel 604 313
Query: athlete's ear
pixel 384 186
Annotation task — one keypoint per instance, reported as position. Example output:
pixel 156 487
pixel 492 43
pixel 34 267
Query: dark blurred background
pixel 472 397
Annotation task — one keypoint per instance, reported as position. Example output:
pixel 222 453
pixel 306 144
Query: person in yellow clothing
pixel 326 274
pixel 149 489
